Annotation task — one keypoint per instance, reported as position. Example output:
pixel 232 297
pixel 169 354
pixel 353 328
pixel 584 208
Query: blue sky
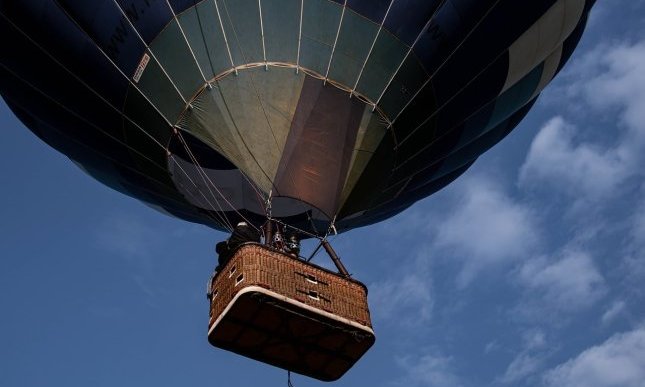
pixel 527 271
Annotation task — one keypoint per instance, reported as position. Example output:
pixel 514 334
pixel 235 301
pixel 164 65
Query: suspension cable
pixel 97 128
pixel 206 177
pixel 104 100
pixel 258 96
pixel 200 169
pixel 223 220
pixel 289 384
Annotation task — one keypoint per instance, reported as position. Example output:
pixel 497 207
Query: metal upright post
pixel 334 257
pixel 268 232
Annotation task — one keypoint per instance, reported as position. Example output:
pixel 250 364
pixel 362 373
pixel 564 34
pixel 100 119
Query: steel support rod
pixel 268 233
pixel 334 257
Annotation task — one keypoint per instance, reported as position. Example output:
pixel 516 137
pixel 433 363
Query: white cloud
pixel 126 236
pixel 404 297
pixel 428 370
pixel 580 170
pixel 638 224
pixel 409 296
pixel 606 82
pixel 612 312
pixel 487 228
pixel 534 339
pixel 635 257
pixel 618 362
pixel 139 245
pixel 529 360
pixel 491 347
pixel 615 78
pixel 569 283
pixel 522 366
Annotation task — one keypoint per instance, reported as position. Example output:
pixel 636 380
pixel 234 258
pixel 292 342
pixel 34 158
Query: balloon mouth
pixel 287 207
pixel 230 193
pixel 300 144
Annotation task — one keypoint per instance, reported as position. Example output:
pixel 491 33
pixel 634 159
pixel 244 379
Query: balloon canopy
pixel 338 111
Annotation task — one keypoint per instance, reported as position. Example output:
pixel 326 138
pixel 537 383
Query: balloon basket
pixel 291 314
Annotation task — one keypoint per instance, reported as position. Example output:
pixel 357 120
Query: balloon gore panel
pixel 332 111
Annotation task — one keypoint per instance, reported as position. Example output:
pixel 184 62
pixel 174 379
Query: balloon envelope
pixel 339 110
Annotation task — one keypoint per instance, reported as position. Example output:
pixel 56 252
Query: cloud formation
pixel 637 232
pixel 409 296
pixel 127 236
pixel 529 360
pixel 613 77
pixel 619 361
pixel 635 256
pixel 614 310
pixel 487 228
pixel 607 81
pixel 581 170
pixel 430 369
pixel 569 283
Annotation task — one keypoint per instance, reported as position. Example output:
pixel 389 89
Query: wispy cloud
pixel 613 77
pixel 619 361
pixel 634 261
pixel 141 245
pixel 530 359
pixel 127 237
pixel 568 282
pixel 637 231
pixel 522 366
pixel 603 88
pixel 405 296
pixel 614 310
pixel 589 158
pixel 429 369
pixel 487 228
pixel 581 170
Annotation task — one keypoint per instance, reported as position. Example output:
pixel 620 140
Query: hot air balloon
pixel 319 115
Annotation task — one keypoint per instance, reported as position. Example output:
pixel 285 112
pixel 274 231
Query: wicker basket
pixel 288 313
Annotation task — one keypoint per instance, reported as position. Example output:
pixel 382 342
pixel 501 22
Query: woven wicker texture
pixel 257 265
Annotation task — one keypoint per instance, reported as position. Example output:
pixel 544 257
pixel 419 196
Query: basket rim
pixel 246 245
pixel 289 300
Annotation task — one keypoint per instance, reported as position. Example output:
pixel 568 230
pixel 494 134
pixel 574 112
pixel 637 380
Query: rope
pixel 104 100
pixel 264 51
pixel 295 228
pixel 222 219
pixel 311 222
pixel 208 53
pixel 237 130
pixel 181 29
pixel 360 74
pixel 289 384
pixel 309 72
pixel 333 49
pixel 205 175
pixel 257 94
pixel 302 5
pixel 125 16
pixel 325 237
pixel 430 20
pixel 200 169
pixel 444 63
pixel 202 173
pixel 97 128
pixel 228 48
